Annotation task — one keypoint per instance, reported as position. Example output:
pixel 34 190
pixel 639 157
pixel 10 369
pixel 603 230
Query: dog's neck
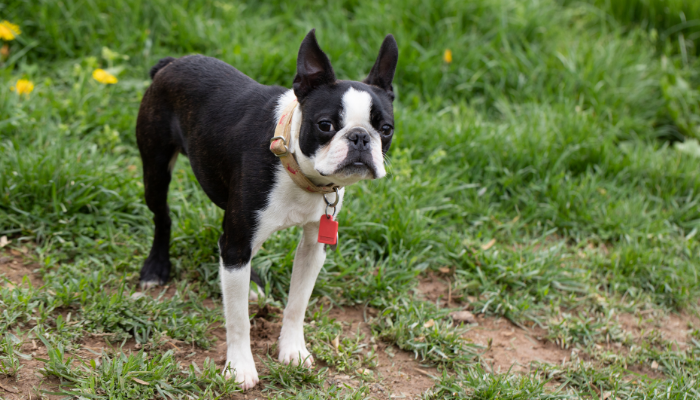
pixel 282 104
pixel 305 164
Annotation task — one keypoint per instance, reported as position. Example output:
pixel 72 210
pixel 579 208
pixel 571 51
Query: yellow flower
pixel 8 30
pixel 103 76
pixel 447 56
pixel 23 86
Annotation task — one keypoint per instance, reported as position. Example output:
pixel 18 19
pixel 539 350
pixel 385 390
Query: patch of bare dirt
pixel 29 383
pixel 644 371
pixel 399 373
pixel 436 288
pixel 28 387
pixel 511 347
pixel 14 266
pixel 508 346
pixel 673 327
pixel 433 288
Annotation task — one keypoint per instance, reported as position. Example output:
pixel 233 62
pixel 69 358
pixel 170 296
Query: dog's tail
pixel 162 63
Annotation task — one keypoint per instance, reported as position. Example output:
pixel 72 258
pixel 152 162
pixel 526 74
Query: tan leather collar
pixel 278 146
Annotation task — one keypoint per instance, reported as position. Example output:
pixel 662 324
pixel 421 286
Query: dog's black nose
pixel 359 139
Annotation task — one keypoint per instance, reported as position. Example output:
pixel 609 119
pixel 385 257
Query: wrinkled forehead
pixel 350 103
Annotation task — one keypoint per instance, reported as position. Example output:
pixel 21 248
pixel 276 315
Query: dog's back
pixel 204 100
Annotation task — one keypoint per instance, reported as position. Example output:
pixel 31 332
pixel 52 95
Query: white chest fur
pixel 289 205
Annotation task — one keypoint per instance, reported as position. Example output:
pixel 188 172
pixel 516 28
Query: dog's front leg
pixel 235 284
pixel 308 261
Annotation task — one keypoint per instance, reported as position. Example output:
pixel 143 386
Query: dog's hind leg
pixel 158 153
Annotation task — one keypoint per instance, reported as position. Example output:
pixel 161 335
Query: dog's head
pixel 346 127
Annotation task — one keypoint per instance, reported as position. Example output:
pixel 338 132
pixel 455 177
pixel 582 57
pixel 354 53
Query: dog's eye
pixel 325 126
pixel 387 130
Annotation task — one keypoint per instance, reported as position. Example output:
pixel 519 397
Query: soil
pixel 15 266
pixel 507 346
pixel 673 327
pixel 434 289
pixel 510 347
pixel 398 373
pixel 516 349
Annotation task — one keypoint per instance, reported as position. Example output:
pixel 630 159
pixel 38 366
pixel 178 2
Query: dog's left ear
pixel 382 72
pixel 313 67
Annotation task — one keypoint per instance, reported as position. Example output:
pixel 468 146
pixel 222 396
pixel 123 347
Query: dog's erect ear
pixel 382 72
pixel 313 67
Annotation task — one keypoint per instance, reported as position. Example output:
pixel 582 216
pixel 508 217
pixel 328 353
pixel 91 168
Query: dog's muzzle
pixel 359 159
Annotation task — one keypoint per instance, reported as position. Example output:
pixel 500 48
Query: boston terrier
pixel 272 158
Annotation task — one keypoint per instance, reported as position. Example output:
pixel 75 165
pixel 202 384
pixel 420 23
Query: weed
pixel 476 383
pixel 133 376
pixel 329 344
pixel 584 327
pixel 9 361
pixel 292 378
pixel 421 328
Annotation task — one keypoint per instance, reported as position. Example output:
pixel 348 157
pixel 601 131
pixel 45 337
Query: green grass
pixel 555 131
pixel 134 376
pixel 328 344
pixel 9 361
pixel 670 19
pixel 433 338
pixel 479 384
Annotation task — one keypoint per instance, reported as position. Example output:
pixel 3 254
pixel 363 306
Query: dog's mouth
pixel 357 167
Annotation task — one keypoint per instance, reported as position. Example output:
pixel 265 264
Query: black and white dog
pixel 223 121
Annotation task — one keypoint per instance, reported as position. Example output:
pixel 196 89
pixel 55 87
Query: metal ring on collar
pixel 335 203
pixel 284 141
pixel 279 137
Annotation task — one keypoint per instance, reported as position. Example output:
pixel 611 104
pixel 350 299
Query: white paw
pixel 145 285
pixel 242 367
pixel 294 352
pixel 255 293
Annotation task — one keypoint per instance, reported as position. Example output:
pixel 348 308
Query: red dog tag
pixel 328 230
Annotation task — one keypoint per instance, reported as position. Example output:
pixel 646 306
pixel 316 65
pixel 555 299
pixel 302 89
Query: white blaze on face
pixel 356 108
